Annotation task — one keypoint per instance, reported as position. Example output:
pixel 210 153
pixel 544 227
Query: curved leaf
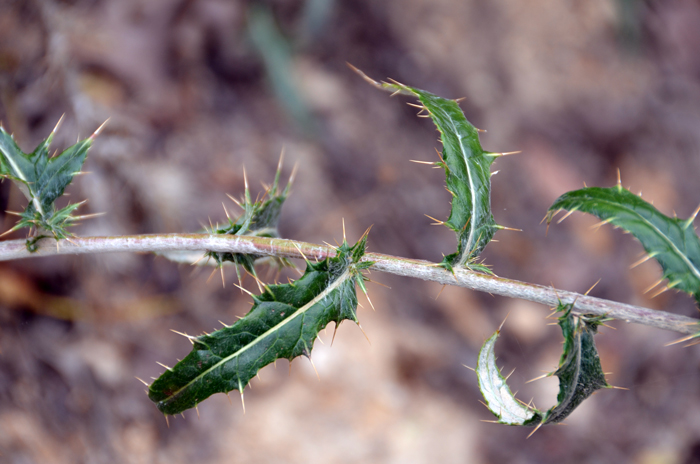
pixel 467 173
pixel 283 323
pixel 671 241
pixel 579 372
pixel 497 395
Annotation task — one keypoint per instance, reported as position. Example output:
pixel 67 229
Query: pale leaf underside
pixel 580 374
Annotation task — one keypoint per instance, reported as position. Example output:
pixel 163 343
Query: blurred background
pixel 197 89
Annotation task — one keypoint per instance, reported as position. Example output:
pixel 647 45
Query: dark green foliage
pixel 42 179
pixel 259 219
pixel 284 323
pixel 579 372
pixel 671 241
pixel 468 174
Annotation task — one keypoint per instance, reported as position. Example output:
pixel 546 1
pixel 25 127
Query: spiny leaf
pixel 284 323
pixel 671 241
pixel 467 173
pixel 579 372
pixel 43 179
pixel 259 219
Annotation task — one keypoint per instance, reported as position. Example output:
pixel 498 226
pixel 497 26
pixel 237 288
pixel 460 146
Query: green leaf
pixel 43 179
pixel 467 174
pixel 580 374
pixel 671 241
pixel 259 219
pixel 284 323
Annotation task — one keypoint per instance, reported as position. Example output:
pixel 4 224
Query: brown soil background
pixel 195 90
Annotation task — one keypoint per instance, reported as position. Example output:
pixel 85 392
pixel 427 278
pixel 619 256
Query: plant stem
pixel 16 249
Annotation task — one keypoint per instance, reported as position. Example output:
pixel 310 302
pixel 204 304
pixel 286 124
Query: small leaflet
pixel 43 179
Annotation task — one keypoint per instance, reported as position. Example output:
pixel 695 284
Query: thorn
pixel 422 107
pixel 314 366
pixel 569 213
pixel 602 223
pixel 163 365
pixel 226 211
pixel 99 129
pixel 245 290
pixel 240 389
pixel 660 292
pixel 470 368
pixel 211 275
pixel 642 260
pixel 334 332
pixel 345 240
pixel 245 182
pixel 440 292
pixel 229 398
pixel 196 408
pixel 223 280
pixel 619 178
pixel 429 163
pixel 364 76
pixel 536 429
pixel 235 201
pixel 540 377
pixel 500 227
pixel 87 216
pixel 504 321
pixel 167 422
pixel 681 340
pixel 511 373
pixel 301 252
pixel 227 326
pixel 437 221
pixel 140 380
pixel 653 286
pixel 292 176
pixel 457 100
pixel 378 283
pixel 363 333
pixel 692 217
pixel 592 287
pixel 58 124
pixel 189 337
pixel 619 388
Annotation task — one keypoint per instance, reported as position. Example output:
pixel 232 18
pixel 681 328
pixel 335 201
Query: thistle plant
pixel 285 319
